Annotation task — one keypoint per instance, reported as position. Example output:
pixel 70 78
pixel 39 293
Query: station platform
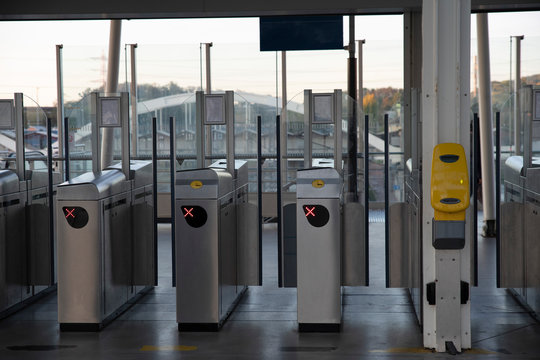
pixel 378 323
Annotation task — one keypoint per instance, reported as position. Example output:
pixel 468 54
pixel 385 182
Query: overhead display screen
pixel 285 33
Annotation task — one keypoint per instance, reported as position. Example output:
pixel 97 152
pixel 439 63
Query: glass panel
pixel 35 137
pixel 79 136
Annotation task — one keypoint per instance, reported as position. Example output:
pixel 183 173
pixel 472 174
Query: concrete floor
pixel 378 323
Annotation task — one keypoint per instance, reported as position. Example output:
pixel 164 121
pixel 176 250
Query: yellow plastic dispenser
pixel 449 195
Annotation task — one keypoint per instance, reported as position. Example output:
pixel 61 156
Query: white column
pixel 445 114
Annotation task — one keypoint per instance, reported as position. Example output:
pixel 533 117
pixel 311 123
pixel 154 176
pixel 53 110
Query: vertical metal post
pixel 19 136
pixel 200 129
pixel 229 117
pixel 476 163
pixel 308 120
pixel 486 125
pixel 517 96
pixel 66 147
pixel 60 103
pixel 154 198
pixel 498 193
pixel 338 142
pixel 133 93
pixel 95 135
pixel 208 72
pixel 279 203
pixel 366 195
pixel 352 132
pixel 386 201
pixel 172 152
pixel 260 162
pixel 113 68
pixel 50 197
pixel 360 94
pixel 124 113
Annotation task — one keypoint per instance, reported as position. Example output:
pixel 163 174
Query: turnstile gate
pixel 318 214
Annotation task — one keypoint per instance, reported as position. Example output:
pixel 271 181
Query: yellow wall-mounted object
pixel 317 183
pixel 449 182
pixel 196 184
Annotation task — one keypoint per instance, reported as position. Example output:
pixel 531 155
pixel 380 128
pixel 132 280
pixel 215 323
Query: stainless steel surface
pixel 308 128
pixel 92 186
pixel 319 265
pixel 200 138
pixel 133 98
pixel 197 271
pixel 332 188
pixel 227 254
pixel 143 236
pixel 19 134
pixel 229 119
pixel 60 102
pixel 140 172
pixel 338 142
pixel 448 299
pixel 518 126
pixel 512 266
pixel 532 250
pixel 353 247
pixel 486 123
pixel 399 242
pixel 38 236
pixel 80 265
pixel 9 182
pixel 215 183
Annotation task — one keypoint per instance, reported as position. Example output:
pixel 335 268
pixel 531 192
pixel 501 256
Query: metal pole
pixel 172 151
pixel 113 68
pixel 366 195
pixel 51 196
pixel 19 136
pixel 278 197
pixel 498 192
pixel 352 167
pixel 308 116
pixel 386 200
pixel 360 94
pixel 208 77
pixel 517 97
pixel 486 126
pixel 133 91
pixel 66 150
pixel 154 197
pixel 229 116
pixel 260 162
pixel 60 103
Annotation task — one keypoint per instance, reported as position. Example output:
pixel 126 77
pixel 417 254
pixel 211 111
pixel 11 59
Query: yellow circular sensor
pixel 317 183
pixel 196 184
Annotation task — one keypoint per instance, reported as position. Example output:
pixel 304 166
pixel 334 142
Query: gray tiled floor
pixel 378 323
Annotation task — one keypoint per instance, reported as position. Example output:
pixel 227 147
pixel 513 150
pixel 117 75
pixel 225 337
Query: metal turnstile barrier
pixel 99 250
pixel 206 249
pixel 318 214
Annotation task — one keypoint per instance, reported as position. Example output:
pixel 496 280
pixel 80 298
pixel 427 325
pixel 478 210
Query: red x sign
pixel 310 211
pixel 188 212
pixel 70 213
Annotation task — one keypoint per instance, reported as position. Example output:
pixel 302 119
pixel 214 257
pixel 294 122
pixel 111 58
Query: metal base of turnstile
pixel 26 302
pixel 95 327
pixel 212 327
pixel 314 327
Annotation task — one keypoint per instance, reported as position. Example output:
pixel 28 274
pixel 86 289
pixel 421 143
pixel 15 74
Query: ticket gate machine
pixel 106 247
pixel 318 213
pixel 217 252
pixel 26 239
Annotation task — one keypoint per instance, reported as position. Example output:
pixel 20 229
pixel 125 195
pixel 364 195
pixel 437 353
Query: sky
pixel 169 50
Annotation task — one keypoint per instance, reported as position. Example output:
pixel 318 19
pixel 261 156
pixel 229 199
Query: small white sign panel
pixel 110 112
pixel 323 109
pixel 6 114
pixel 214 108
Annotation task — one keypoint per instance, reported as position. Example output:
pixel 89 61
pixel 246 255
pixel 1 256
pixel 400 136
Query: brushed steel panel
pixel 79 265
pixel 227 254
pixel 17 288
pixel 512 267
pixel 143 237
pixel 197 265
pixel 399 246
pixel 319 265
pixel 117 251
pixel 248 241
pixel 353 251
pixel 448 296
pixel 39 241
